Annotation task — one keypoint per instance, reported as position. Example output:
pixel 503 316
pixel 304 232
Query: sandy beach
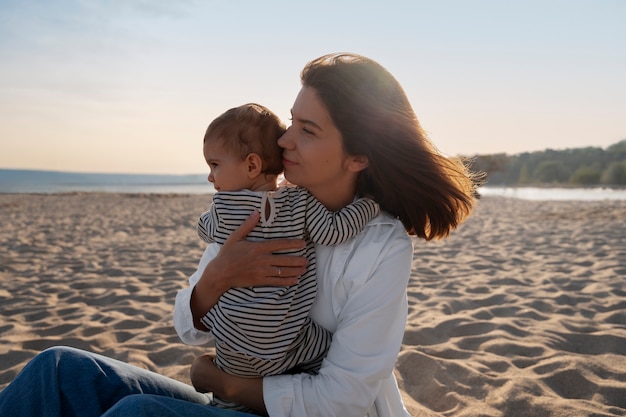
pixel 521 312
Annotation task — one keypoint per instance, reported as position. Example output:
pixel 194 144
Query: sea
pixel 556 193
pixel 33 181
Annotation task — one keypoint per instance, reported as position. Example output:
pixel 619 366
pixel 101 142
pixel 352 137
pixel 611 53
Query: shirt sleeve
pixel 366 342
pixel 208 222
pixel 327 227
pixel 183 319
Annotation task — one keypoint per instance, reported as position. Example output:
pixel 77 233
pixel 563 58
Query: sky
pixel 129 86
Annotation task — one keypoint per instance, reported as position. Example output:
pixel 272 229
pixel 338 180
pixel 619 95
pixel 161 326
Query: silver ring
pixel 278 271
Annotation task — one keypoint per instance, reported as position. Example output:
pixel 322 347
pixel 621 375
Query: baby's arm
pixel 212 225
pixel 206 225
pixel 327 227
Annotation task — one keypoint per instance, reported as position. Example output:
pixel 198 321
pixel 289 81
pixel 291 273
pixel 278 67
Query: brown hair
pixel 430 193
pixel 250 128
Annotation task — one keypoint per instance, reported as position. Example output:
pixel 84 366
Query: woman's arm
pixel 183 318
pixel 206 377
pixel 245 264
pixel 239 263
pixel 366 342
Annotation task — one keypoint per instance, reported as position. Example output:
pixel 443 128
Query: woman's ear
pixel 357 163
pixel 255 165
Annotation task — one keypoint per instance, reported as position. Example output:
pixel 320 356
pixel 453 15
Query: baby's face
pixel 228 172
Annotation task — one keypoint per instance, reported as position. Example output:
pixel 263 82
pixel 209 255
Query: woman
pixel 353 134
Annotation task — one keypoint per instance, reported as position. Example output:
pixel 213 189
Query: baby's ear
pixel 255 165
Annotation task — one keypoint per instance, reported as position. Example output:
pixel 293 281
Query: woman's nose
pixel 284 141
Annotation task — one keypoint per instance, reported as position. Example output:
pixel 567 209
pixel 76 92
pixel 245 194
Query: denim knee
pixel 57 356
pixel 57 352
pixel 132 405
pixel 49 358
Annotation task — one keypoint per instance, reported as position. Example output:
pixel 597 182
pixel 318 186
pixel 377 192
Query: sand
pixel 521 312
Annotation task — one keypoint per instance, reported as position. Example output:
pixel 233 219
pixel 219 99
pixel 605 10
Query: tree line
pixel 577 167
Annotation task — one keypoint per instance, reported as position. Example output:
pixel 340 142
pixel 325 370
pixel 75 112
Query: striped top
pixel 267 330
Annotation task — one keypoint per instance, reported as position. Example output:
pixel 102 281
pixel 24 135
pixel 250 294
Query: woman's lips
pixel 288 162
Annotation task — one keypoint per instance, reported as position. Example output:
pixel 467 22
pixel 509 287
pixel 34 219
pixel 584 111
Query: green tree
pixel 586 176
pixel 551 172
pixel 551 166
pixel 524 177
pixel 618 149
pixel 615 174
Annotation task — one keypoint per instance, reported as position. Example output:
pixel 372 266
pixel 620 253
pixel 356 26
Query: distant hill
pixel 576 167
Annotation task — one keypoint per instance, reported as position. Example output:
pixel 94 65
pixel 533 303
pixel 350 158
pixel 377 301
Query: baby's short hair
pixel 250 128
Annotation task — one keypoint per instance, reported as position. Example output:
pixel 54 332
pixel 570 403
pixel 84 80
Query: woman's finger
pixel 277 245
pixel 268 246
pixel 285 272
pixel 242 231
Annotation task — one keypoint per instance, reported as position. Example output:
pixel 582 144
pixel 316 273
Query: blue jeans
pixel 64 382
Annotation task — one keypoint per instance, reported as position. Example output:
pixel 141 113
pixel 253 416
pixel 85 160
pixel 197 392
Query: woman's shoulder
pixel 382 250
pixel 386 224
pixel 382 235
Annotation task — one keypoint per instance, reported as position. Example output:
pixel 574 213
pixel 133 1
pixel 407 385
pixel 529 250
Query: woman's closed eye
pixel 304 129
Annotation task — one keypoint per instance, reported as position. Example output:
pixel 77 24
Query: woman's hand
pixel 241 263
pixel 250 264
pixel 206 377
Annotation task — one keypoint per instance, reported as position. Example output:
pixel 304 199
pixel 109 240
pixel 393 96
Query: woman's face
pixel 313 154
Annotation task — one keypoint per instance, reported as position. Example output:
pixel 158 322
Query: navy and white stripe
pixel 266 330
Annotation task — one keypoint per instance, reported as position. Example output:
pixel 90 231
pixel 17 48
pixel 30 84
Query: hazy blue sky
pixel 130 85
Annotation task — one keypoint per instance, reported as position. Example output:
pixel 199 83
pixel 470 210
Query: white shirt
pixel 361 298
